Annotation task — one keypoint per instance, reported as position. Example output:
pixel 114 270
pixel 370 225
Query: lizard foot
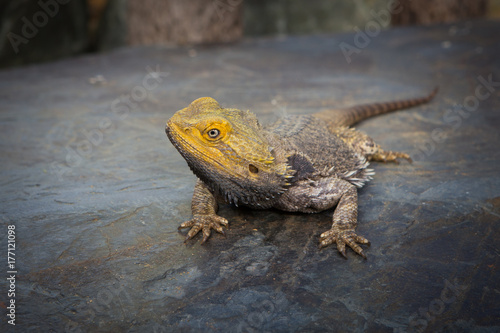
pixel 390 156
pixel 204 223
pixel 341 238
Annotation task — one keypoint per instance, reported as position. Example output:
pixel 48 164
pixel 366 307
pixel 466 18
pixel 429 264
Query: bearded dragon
pixel 307 163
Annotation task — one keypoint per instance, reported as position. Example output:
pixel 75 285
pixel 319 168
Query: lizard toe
pixel 204 223
pixel 341 247
pixel 343 238
pixel 187 224
pixel 192 232
pixel 326 239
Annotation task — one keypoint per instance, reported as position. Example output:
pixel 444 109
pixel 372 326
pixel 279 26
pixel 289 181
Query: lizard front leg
pixel 204 208
pixel 345 219
pixel 312 196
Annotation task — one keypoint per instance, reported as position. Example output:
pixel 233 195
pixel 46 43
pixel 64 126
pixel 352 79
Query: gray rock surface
pixel 96 191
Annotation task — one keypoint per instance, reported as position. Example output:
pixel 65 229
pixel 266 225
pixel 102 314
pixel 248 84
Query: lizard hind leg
pixel 389 156
pixel 366 146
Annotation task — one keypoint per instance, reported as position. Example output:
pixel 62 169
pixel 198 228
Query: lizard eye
pixel 213 133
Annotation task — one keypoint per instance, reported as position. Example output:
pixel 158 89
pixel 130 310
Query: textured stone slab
pixel 96 191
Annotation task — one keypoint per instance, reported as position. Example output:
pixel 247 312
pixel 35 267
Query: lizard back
pixel 315 151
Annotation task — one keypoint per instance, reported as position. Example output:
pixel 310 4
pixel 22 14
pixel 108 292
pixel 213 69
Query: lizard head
pixel 227 149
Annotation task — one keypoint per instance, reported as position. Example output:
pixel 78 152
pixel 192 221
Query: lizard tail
pixel 354 114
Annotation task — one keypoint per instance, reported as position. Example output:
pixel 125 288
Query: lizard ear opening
pixel 253 168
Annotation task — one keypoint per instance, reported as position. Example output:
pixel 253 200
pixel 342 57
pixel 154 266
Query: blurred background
pixel 45 30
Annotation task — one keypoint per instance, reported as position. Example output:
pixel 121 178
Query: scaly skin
pixel 298 164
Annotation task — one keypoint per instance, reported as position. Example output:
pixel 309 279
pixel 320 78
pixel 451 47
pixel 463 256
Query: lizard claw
pixel 205 223
pixel 343 238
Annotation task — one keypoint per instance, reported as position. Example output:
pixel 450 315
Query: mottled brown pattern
pixel 298 164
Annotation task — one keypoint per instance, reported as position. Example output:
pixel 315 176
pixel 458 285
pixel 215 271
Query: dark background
pixel 51 29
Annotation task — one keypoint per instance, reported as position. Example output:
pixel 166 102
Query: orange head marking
pixel 224 147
